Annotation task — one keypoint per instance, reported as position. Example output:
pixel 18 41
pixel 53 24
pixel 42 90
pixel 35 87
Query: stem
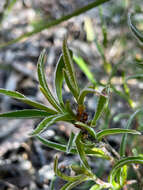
pixel 55 22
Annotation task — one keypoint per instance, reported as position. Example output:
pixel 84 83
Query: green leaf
pixel 87 128
pixel 43 83
pixel 27 113
pixel 81 152
pixel 70 142
pixel 66 186
pixel 97 152
pixel 100 106
pixel 56 146
pixel 86 91
pixel 63 148
pixel 22 98
pixel 96 187
pixel 137 76
pixel 55 22
pixel 59 77
pixel 104 27
pixel 12 94
pixel 122 175
pixel 120 164
pixel 115 131
pixel 62 175
pixel 69 67
pixel 68 82
pixel 71 185
pixel 84 67
pixel 120 116
pixel 44 124
pixel 124 138
pixel 133 28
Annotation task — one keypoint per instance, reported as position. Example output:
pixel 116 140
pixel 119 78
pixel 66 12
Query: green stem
pixel 55 22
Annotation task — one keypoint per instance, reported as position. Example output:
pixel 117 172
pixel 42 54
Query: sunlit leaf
pixel 97 152
pixel 43 83
pixel 88 26
pixel 70 142
pixel 69 67
pixel 96 187
pixel 122 175
pixel 27 113
pixel 128 125
pixel 100 106
pixel 115 131
pixel 85 68
pixel 87 128
pixel 133 28
pixel 22 98
pixel 12 94
pixel 120 164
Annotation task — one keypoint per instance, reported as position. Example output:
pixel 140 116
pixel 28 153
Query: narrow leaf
pixel 100 106
pixel 133 28
pixel 122 175
pixel 43 83
pixel 80 150
pixel 69 66
pixel 49 121
pixel 84 67
pixel 120 164
pixel 69 84
pixel 115 131
pixel 66 185
pixel 70 142
pixel 27 113
pixel 71 185
pixel 59 77
pixel 89 29
pixel 137 76
pixel 56 146
pixel 38 105
pixel 60 147
pixel 12 94
pixel 22 98
pixel 87 128
pixel 62 175
pixel 96 187
pixel 86 91
pixel 124 138
pixel 55 22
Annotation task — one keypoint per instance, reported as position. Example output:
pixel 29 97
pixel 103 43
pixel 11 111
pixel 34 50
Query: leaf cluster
pixel 86 142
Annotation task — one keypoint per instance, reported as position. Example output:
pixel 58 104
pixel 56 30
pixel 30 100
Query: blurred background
pixel 105 51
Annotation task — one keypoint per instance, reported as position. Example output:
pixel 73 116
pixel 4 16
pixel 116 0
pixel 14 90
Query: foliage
pixel 90 141
pixel 85 142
